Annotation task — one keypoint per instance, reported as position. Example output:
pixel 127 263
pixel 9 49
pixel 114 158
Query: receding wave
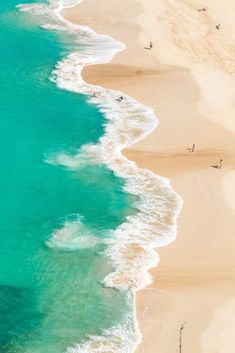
pixel 131 246
pixel 121 338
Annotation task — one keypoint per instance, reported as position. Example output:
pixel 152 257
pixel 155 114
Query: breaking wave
pixel 131 246
pixel 72 235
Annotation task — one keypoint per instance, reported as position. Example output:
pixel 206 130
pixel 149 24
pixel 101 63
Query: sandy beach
pixel 188 78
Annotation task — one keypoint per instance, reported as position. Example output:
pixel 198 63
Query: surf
pixel 131 247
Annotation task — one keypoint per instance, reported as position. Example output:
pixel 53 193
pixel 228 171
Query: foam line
pixel 132 245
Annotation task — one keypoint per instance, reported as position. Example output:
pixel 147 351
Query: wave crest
pixel 131 247
pixel 122 338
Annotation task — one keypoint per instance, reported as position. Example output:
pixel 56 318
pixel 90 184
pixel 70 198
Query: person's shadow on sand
pixel 218 166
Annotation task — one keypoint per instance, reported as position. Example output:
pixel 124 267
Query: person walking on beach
pixel 202 9
pixel 191 149
pixel 218 166
pixel 150 46
pixel 217 26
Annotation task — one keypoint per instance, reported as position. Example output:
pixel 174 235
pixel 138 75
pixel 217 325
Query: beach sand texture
pixel 188 78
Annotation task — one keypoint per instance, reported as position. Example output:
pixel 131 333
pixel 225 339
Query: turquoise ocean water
pixel 49 298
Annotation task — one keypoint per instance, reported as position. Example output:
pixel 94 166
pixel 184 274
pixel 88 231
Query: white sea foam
pixel 72 235
pixel 131 247
pixel 122 338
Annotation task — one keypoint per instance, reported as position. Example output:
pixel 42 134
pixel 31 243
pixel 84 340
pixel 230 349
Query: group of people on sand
pixel 119 99
pixel 192 150
pixel 203 9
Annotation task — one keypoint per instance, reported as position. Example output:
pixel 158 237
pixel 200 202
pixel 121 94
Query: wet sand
pixel 188 78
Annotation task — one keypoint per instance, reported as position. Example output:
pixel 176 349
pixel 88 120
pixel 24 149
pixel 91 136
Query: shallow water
pixel 50 297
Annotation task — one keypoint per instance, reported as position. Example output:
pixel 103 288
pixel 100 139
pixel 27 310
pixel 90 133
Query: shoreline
pixel 122 245
pixel 195 273
pixel 131 272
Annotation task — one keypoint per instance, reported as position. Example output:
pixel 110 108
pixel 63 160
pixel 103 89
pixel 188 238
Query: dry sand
pixel 188 78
